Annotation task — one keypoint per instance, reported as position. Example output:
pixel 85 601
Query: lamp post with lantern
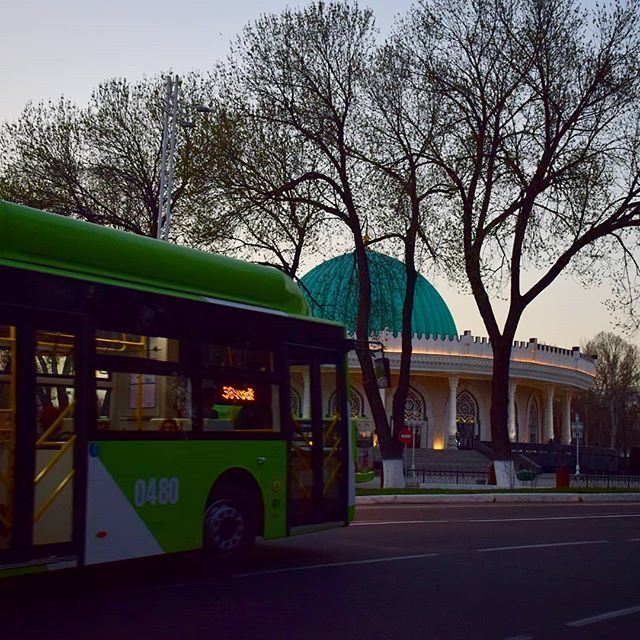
pixel 577 429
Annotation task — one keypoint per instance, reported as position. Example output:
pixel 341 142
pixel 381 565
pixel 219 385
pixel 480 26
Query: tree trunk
pixel 505 473
pixel 369 381
pixel 404 377
pixel 500 399
pixel 614 424
pixel 393 473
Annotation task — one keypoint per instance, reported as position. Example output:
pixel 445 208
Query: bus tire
pixel 229 522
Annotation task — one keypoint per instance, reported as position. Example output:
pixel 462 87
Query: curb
pixel 499 497
pixel 537 497
pixel 610 497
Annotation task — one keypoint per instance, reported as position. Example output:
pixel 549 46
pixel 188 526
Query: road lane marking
pixel 481 520
pixel 333 564
pixel 519 638
pixel 164 587
pixel 382 523
pixel 540 546
pixel 604 616
pixel 453 506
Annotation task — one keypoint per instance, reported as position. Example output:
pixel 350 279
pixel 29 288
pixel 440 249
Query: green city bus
pixel 156 399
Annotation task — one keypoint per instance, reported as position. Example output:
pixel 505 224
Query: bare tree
pixel 304 71
pixel 540 106
pixel 400 122
pixel 250 160
pixel 614 396
pixel 101 162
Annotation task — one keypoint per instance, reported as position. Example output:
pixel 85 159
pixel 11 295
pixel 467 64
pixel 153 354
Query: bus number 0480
pixel 156 491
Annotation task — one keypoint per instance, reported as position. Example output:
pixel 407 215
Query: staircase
pixel 449 459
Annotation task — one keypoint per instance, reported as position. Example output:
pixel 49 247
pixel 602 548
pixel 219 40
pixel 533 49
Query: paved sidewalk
pixel 498 497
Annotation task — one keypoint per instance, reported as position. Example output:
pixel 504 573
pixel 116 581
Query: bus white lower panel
pixel 114 529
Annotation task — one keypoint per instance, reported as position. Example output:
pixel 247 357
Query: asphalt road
pixel 488 571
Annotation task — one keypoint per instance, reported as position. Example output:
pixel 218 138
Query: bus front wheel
pixel 228 523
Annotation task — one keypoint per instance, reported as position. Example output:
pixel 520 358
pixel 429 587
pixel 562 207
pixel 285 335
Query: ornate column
pixel 512 411
pixel 306 394
pixel 566 418
pixel 548 413
pixel 424 436
pixel 451 422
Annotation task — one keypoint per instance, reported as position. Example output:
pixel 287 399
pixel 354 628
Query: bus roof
pixel 51 243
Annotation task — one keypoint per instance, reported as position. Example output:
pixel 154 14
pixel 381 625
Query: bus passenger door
pixel 317 443
pixel 7 434
pixel 38 438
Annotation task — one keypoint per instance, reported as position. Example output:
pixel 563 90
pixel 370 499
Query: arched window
pixel 414 407
pixel 356 404
pixel 414 416
pixel 296 403
pixel 533 420
pixel 466 408
pixel 467 422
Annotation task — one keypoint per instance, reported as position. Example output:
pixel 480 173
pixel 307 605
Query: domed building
pixel 450 392
pixel 332 292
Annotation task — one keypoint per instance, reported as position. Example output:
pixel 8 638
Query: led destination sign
pixel 233 394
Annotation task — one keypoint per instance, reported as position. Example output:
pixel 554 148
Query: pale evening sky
pixel 66 47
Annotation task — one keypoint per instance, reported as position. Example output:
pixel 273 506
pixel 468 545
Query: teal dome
pixel 331 290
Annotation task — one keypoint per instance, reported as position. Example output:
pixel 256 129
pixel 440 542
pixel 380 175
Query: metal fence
pixel 551 456
pixel 605 481
pixel 448 476
pixel 477 477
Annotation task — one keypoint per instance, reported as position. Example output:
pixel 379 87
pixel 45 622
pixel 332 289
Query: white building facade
pixel 450 390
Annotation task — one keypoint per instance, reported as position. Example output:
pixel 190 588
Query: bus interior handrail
pixel 55 425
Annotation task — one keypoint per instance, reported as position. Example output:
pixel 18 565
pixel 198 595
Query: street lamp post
pixel 412 471
pixel 413 450
pixel 577 429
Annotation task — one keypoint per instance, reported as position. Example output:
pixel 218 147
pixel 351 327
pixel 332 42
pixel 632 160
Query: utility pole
pixel 172 116
pixel 169 131
pixel 168 87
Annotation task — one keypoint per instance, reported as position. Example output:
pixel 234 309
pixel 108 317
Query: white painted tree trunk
pixel 393 474
pixel 505 474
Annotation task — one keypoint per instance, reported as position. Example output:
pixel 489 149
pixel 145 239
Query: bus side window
pixel 240 406
pixel 209 411
pixel 254 416
pixel 169 424
pixel 143 402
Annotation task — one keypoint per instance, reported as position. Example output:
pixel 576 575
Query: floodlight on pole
pixel 172 157
pixel 173 115
pixel 166 103
pixel 170 122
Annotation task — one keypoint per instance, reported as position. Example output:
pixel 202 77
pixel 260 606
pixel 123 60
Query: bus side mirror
pixel 383 372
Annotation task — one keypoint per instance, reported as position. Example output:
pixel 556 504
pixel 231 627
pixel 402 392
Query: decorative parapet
pixel 473 355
